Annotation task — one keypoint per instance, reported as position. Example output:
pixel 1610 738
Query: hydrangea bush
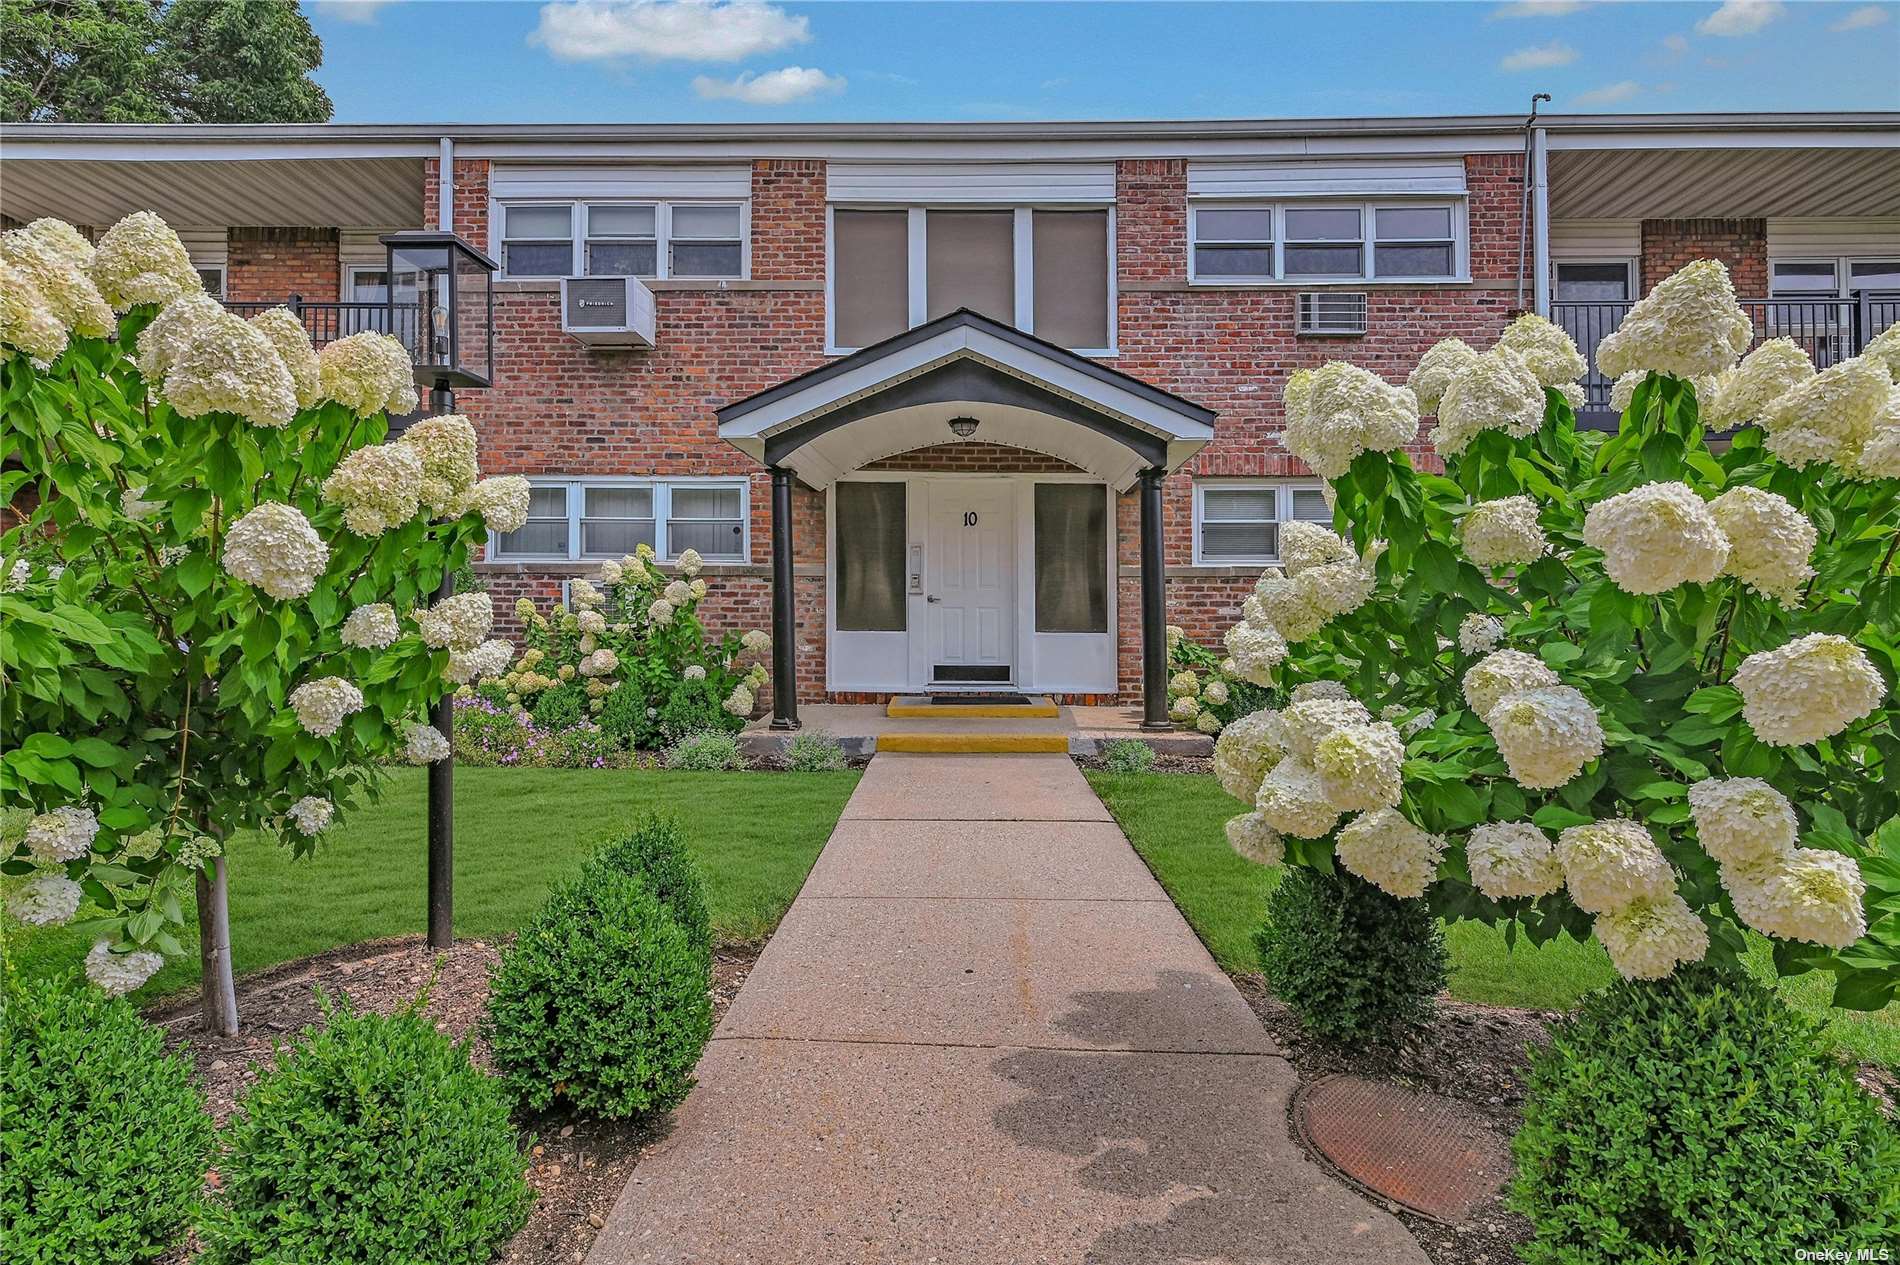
pixel 1205 690
pixel 1633 685
pixel 217 595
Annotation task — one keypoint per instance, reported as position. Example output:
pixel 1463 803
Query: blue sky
pixel 722 60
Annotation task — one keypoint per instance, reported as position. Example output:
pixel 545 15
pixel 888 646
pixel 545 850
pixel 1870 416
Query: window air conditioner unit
pixel 607 311
pixel 1326 312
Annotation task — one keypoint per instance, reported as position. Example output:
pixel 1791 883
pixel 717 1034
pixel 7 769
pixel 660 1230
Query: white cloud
pixel 1608 94
pixel 1676 44
pixel 358 12
pixel 1740 17
pixel 774 87
pixel 1540 56
pixel 1860 19
pixel 660 30
pixel 1539 8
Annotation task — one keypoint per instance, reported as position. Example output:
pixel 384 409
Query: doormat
pixel 981 700
pixel 1426 1152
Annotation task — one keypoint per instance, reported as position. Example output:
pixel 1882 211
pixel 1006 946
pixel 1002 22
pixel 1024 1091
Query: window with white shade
pixel 1238 243
pixel 655 239
pixel 1832 278
pixel 579 519
pixel 1237 521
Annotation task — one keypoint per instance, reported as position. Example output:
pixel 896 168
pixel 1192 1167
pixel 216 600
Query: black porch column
pixel 784 606
pixel 1154 607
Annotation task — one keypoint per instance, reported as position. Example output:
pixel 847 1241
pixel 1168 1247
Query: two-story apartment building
pixel 1009 393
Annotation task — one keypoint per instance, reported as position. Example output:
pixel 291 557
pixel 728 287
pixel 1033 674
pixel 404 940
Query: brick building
pixel 980 356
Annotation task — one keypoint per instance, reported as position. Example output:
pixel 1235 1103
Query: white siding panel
pixel 1305 178
pixel 913 183
pixel 362 245
pixel 722 183
pixel 1860 235
pixel 208 247
pixel 1596 239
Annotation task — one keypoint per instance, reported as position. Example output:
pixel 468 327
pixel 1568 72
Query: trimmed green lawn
pixel 1175 823
pixel 755 836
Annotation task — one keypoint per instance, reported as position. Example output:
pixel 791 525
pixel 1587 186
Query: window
pixel 212 275
pixel 871 532
pixel 623 239
pixel 1046 272
pixel 1832 278
pixel 369 284
pixel 1879 275
pixel 1238 521
pixel 574 519
pixel 1607 282
pixel 1324 242
pixel 1071 558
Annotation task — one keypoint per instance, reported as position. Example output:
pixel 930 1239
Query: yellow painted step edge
pixel 973 744
pixel 972 711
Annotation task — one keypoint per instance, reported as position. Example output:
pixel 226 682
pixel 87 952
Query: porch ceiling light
pixel 963 427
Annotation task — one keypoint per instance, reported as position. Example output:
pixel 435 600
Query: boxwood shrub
pixel 1354 963
pixel 1699 1118
pixel 654 849
pixel 104 1140
pixel 602 1003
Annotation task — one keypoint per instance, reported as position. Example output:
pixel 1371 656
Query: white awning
pixel 1271 178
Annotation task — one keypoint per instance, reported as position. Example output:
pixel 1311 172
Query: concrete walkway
pixel 984 1034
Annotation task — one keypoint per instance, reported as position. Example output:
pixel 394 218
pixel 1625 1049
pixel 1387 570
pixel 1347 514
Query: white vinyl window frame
pixel 577 235
pixel 218 291
pixel 1843 266
pixel 1626 262
pixel 1023 240
pixel 662 489
pixel 1283 490
pixel 1368 241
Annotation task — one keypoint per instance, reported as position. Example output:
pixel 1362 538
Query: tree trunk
pixel 219 999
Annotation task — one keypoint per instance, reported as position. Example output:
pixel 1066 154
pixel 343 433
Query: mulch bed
pixel 580 1163
pixel 1162 764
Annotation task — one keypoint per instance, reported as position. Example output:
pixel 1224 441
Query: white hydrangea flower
pixel 1255 649
pixel 1545 735
pixel 1207 722
pixel 1408 722
pixel 322 704
pixel 1214 692
pixel 460 622
pixel 1512 859
pixel 1769 542
pixel 1184 682
pixel 1185 708
pixel 176 327
pixel 1287 607
pixel 47 899
pixel 1608 864
pixel 602 662
pixel 1808 894
pixel 367 373
pixel 1305 545
pixel 690 562
pixel 311 814
pixel 1307 721
pixel 133 504
pixel 1246 752
pixel 756 678
pixel 1504 533
pixel 1810 689
pixel 286 333
pixel 611 572
pixel 591 622
pixel 1657 537
pixel 1504 672
pixel 371 627
pixel 1251 837
pixel 378 488
pixel 1765 374
pixel 64 834
pixel 1652 935
pixel 584 595
pixel 1574 394
pixel 1436 369
pixel 503 504
pixel 229 367
pixel 1478 632
pixel 490 659
pixel 423 743
pixel 694 672
pixel 447 446
pixel 26 322
pixel 1880 456
pixel 1546 349
pixel 1290 801
pixel 678 593
pixel 62 239
pixel 1312 691
pixel 1688 326
pixel 1339 588
pixel 1342 411
pixel 757 640
pixel 633 570
pixel 1742 821
pixel 274 548
pixel 1496 391
pixel 1389 852
pixel 1884 347
pixel 698 589
pixel 116 974
pixel 1623 390
pixel 739 702
pixel 140 260
pixel 1358 765
pixel 660 613
pixel 1830 416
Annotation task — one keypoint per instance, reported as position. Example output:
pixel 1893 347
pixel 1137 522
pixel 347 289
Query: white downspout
pixel 1540 221
pixel 445 187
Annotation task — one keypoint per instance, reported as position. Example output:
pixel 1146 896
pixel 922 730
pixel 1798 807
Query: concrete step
pixel 973 743
pixel 919 707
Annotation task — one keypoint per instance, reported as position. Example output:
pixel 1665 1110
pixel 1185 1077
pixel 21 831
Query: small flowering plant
pixel 1631 685
pixel 217 593
pixel 1218 694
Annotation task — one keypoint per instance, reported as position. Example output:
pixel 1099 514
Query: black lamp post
pixel 440 305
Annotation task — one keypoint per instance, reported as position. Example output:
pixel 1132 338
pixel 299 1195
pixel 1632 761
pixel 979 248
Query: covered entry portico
pixel 961 579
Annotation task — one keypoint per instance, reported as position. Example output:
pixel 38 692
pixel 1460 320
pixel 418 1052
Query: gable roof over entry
pixel 901 393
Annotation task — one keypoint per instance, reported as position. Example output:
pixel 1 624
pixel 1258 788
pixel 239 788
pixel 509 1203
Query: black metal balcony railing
pixel 1829 330
pixel 328 322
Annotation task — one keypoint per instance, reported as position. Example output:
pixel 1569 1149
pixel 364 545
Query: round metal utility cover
pixel 1431 1154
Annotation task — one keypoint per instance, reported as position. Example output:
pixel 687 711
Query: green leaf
pixel 1557 817
pixel 196 572
pixel 1865 990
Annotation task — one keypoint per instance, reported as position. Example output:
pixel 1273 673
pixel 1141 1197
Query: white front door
pixel 970 582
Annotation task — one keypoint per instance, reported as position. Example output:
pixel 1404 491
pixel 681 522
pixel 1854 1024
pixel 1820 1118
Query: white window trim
pixel 577 238
pixel 1367 208
pixel 224 276
pixel 1843 274
pixel 1283 509
pixel 349 279
pixel 1627 262
pixel 662 486
pixel 1023 240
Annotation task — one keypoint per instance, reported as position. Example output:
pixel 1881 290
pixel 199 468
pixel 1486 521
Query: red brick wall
pixel 271 264
pixel 471 198
pixel 1740 244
